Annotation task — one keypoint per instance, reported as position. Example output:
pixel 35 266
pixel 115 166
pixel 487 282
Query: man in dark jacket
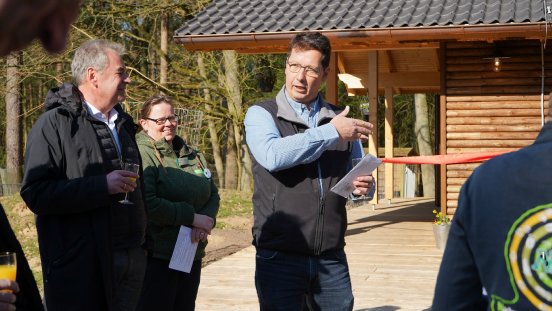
pixel 301 147
pixel 90 244
pixel 20 23
pixel 499 249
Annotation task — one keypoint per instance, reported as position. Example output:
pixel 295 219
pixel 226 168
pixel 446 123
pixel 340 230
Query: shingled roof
pixel 406 33
pixel 273 16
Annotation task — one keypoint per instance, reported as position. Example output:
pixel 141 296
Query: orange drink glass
pixel 8 265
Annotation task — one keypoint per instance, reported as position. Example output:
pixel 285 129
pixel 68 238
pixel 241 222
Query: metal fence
pixel 189 125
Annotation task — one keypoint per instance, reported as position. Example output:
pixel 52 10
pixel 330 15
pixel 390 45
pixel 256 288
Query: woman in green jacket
pixel 179 192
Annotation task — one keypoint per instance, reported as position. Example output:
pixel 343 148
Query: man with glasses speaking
pixel 301 147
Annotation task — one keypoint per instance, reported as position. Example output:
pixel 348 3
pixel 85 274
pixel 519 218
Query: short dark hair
pixel 312 41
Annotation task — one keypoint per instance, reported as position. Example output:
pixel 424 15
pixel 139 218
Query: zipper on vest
pixel 319 227
pixel 320 180
pixel 320 214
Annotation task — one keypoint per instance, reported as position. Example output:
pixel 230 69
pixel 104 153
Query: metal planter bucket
pixel 441 234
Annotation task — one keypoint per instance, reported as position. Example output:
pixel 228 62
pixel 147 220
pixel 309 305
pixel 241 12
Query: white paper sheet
pixel 184 251
pixel 345 186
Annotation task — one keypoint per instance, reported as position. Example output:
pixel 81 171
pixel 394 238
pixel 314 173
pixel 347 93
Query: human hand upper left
pixel 363 184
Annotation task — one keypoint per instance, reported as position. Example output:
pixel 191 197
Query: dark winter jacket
pixel 500 238
pixel 65 184
pixel 290 212
pixel 176 189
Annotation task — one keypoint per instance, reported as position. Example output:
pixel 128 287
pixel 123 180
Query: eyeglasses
pixel 309 71
pixel 161 121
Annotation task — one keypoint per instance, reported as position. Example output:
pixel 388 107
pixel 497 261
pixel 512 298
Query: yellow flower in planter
pixel 440 218
pixel 441 227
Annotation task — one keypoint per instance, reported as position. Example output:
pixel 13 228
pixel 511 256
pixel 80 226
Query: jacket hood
pixel 70 98
pixel 67 95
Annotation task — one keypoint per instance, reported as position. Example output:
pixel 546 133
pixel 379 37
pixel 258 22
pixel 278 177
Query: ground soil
pixel 234 236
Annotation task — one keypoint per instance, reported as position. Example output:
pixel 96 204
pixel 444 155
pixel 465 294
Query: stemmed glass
pixel 131 167
pixel 8 265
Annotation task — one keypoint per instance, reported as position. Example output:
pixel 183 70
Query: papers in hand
pixel 184 251
pixel 365 167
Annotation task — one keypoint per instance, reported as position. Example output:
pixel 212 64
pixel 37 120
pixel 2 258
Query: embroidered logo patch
pixel 528 255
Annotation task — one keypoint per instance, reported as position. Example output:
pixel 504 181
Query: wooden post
pixel 389 173
pixel 443 126
pixel 373 117
pixel 331 81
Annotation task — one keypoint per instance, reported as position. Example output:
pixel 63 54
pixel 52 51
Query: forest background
pixel 219 84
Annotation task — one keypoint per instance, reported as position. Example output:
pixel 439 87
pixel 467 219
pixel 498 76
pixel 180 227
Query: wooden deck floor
pixel 392 257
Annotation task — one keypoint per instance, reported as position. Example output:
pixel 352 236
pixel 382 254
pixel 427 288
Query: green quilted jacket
pixel 175 189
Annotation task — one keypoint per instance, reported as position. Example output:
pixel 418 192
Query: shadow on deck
pixel 392 258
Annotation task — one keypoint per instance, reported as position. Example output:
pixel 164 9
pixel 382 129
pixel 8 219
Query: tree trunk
pixel 424 143
pixel 164 43
pixel 236 112
pixel 13 112
pixel 247 174
pixel 231 172
pixel 213 135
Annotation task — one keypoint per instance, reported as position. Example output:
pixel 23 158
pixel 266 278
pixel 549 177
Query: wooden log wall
pixel 489 111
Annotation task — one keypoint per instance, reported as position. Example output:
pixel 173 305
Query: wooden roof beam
pixel 276 42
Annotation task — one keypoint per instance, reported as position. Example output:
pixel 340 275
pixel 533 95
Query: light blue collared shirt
pixel 110 122
pixel 275 153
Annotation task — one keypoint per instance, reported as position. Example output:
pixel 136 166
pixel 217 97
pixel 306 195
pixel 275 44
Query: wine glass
pixel 131 167
pixel 8 265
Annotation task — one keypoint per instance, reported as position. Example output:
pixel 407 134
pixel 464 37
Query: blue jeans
pixel 287 281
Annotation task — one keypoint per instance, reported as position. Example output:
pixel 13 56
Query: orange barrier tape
pixel 444 158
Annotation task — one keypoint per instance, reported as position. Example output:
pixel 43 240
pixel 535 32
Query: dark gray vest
pixel 290 213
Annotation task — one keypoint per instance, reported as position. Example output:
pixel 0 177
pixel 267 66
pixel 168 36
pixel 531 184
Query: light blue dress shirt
pixel 275 153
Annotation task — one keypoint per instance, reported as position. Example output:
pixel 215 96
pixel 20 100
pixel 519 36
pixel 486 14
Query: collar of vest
pixel 286 112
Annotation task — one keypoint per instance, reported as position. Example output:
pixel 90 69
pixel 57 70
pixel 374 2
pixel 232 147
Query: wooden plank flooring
pixel 392 257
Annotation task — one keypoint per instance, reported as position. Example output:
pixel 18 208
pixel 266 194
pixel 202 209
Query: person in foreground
pixel 20 23
pixel 301 147
pixel 28 296
pixel 8 291
pixel 179 191
pixel 90 244
pixel 499 249
pixel 48 20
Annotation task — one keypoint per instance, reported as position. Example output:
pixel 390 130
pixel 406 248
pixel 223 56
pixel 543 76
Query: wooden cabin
pixel 489 62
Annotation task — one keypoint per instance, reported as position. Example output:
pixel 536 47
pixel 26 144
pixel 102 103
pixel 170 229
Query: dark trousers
pixel 167 289
pixel 74 281
pixel 294 282
pixel 129 266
